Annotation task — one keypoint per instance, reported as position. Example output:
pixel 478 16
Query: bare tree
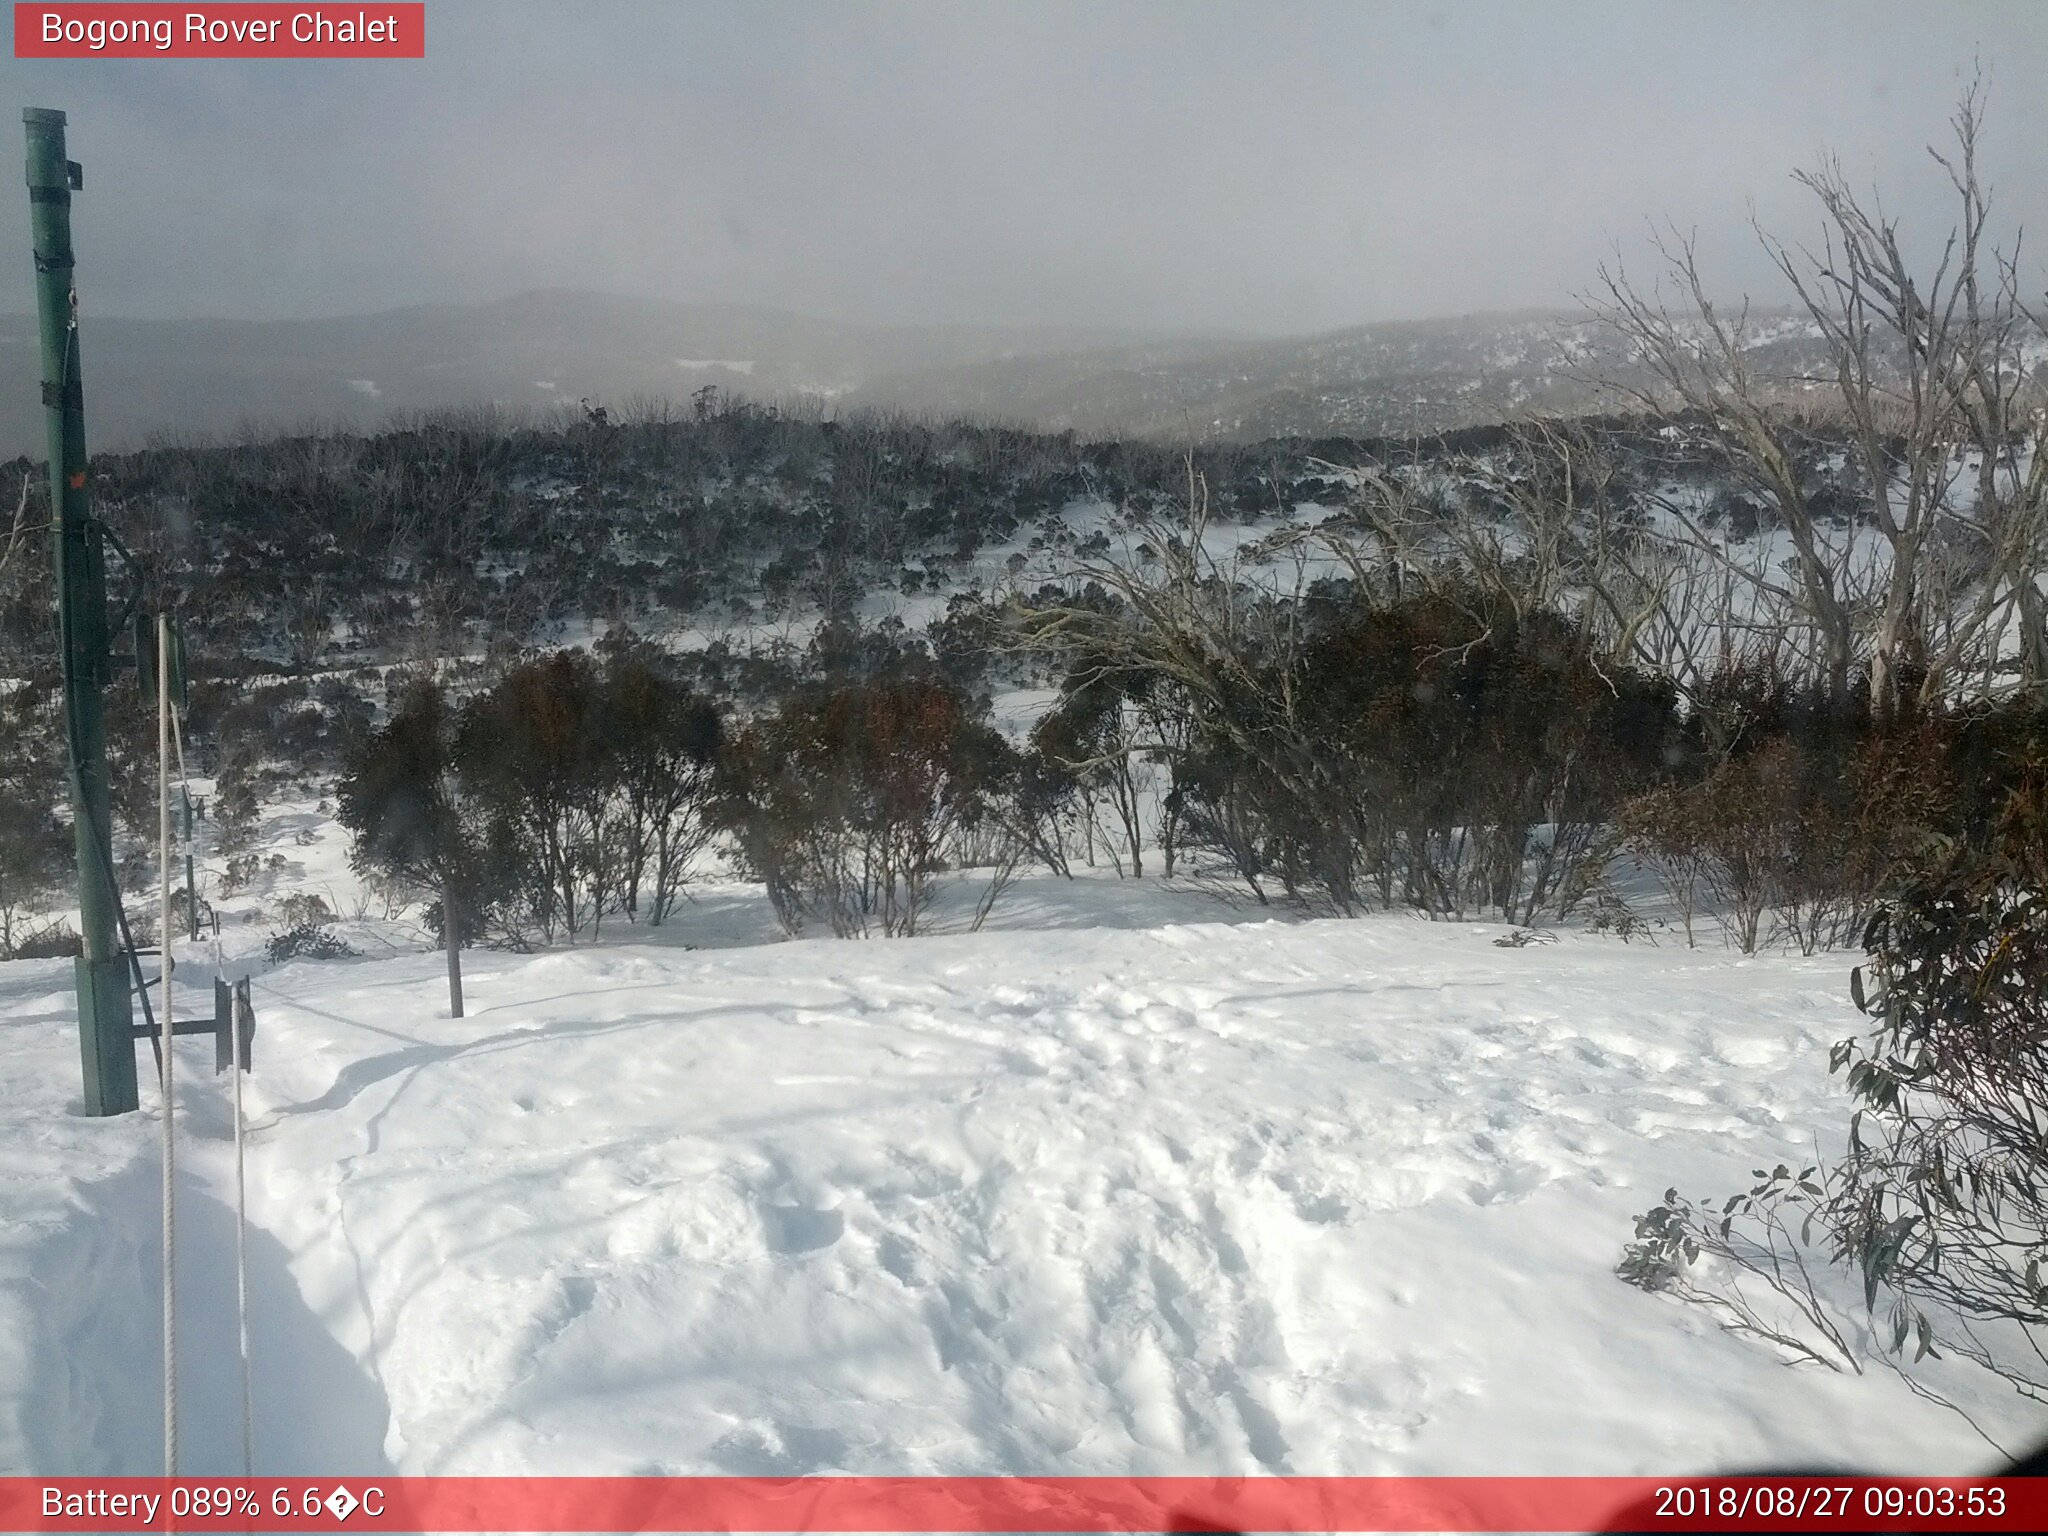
pixel 1925 397
pixel 1211 643
pixel 20 527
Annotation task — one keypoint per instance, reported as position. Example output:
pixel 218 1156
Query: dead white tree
pixel 1925 396
pixel 19 529
pixel 1181 615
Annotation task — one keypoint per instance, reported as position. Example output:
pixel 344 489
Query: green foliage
pixel 1943 1193
pixel 307 939
pixel 1711 1256
pixel 591 780
pixel 235 808
pixel 661 744
pixel 532 760
pixel 1939 1204
pixel 397 797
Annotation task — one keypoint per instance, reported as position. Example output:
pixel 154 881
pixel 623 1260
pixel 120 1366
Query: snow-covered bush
pixel 51 940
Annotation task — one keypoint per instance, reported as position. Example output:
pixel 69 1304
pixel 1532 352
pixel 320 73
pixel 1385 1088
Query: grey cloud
pixel 1260 167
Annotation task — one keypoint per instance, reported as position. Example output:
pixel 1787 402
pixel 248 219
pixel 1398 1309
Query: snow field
pixel 1335 1197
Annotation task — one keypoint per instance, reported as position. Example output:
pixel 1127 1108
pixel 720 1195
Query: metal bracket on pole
pixel 231 1012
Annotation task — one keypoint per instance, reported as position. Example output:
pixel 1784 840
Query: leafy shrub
pixel 307 939
pixel 36 849
pixel 298 907
pixel 591 778
pixel 1938 1203
pixel 305 931
pixel 1608 913
pixel 51 941
pixel 241 869
pixel 530 757
pixel 1715 1258
pixel 1332 773
pixel 236 811
pixel 661 742
pixel 1085 749
pixel 1941 1199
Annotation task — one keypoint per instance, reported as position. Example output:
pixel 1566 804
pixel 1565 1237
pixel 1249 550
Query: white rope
pixel 241 1182
pixel 241 1245
pixel 163 750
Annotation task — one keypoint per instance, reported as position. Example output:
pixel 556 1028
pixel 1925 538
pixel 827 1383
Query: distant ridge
pixel 214 377
pixel 218 378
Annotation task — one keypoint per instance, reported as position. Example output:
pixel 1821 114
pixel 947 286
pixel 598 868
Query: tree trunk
pixel 451 938
pixel 2033 617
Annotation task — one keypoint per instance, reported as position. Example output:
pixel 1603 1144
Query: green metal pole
pixel 105 1038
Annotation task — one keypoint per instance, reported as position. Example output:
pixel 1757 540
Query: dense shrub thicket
pixel 1801 816
pixel 1390 697
pixel 1940 1200
pixel 35 846
pixel 576 787
pixel 321 551
pixel 1453 752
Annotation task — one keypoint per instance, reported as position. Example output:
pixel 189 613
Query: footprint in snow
pixel 792 1229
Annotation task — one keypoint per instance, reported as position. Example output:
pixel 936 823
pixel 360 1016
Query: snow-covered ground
pixel 1142 1183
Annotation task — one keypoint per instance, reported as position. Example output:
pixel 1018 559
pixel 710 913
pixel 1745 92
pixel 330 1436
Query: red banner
pixel 264 31
pixel 1009 1504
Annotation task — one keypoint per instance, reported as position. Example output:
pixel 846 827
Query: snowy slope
pixel 1202 1197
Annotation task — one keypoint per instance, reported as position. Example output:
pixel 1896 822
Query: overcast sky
pixel 1258 167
